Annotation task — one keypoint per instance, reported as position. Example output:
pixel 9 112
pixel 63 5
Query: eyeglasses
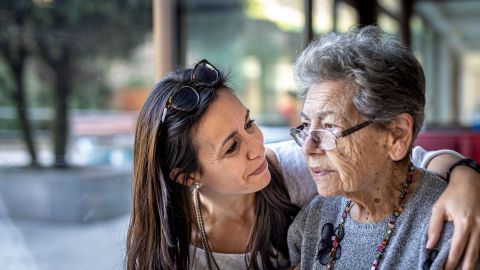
pixel 186 98
pixel 324 139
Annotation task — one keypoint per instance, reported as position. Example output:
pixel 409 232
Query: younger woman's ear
pixel 401 136
pixel 182 178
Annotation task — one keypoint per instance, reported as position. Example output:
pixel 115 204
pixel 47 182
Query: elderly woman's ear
pixel 400 136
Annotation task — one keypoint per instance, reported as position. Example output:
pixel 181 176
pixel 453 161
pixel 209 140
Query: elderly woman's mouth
pixel 320 171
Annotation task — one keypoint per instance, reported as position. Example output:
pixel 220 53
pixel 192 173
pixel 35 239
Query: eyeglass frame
pixel 190 86
pixel 316 140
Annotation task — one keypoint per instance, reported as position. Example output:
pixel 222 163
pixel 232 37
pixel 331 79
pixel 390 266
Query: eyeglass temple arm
pixel 353 129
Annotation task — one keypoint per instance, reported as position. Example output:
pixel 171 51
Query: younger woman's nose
pixel 255 147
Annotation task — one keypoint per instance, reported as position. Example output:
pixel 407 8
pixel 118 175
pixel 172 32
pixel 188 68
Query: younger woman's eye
pixel 232 148
pixel 249 124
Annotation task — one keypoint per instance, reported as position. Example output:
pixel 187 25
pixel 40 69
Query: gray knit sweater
pixel 406 249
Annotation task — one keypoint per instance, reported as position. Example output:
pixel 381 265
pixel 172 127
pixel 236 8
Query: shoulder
pixel 432 185
pixel 421 200
pixel 300 229
pixel 304 232
pixel 421 157
pixel 272 157
pixel 285 150
pixel 309 211
pixel 290 162
pixel 320 208
pixel 288 157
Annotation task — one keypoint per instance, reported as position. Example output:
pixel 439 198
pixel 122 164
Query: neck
pixel 218 208
pixel 377 198
pixel 227 217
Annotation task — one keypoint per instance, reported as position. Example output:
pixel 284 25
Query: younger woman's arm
pixel 458 203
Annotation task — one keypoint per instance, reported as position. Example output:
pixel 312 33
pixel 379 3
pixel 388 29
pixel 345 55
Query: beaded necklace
pixel 340 230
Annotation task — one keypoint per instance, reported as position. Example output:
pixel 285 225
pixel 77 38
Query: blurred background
pixel 74 74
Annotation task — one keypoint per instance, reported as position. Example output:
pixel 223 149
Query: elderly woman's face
pixel 358 157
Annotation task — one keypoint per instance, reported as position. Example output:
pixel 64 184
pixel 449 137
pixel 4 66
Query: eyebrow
pixel 319 115
pixel 231 135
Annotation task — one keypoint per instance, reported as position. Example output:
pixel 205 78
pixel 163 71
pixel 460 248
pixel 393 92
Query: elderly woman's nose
pixel 311 147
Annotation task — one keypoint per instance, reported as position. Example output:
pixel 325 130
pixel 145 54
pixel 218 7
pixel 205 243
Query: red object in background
pixel 104 124
pixel 466 143
pixel 469 145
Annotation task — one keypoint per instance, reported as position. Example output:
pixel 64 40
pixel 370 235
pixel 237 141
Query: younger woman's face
pixel 230 148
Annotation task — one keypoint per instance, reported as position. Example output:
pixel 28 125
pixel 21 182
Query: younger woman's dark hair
pixel 162 219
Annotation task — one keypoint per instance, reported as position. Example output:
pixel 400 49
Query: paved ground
pixel 33 245
pixel 27 244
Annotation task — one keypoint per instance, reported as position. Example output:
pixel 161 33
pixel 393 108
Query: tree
pixel 68 30
pixel 14 48
pixel 64 32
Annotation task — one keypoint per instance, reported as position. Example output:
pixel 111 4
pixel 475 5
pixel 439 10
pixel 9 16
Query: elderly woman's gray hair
pixel 387 77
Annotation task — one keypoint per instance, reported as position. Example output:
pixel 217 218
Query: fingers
pixel 473 250
pixel 460 238
pixel 435 227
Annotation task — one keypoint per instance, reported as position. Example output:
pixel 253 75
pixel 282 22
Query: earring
pixel 196 186
pixel 201 226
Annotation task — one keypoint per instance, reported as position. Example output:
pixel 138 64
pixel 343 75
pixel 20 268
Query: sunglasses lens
pixel 205 74
pixel 185 99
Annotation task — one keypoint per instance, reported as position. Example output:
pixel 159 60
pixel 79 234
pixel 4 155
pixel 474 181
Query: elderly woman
pixel 364 107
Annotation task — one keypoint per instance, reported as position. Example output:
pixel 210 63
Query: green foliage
pixel 85 30
pixel 63 37
pixel 6 86
pixel 93 27
pixel 137 83
pixel 84 97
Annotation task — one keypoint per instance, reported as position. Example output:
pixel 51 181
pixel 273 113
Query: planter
pixel 72 195
pixel 130 99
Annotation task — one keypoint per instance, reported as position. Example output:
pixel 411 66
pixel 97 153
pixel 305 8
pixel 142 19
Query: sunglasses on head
pixel 186 98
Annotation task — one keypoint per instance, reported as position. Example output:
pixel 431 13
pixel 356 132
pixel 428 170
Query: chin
pixel 326 190
pixel 334 185
pixel 265 179
pixel 258 182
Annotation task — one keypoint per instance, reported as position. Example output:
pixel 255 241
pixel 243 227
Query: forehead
pixel 221 118
pixel 330 98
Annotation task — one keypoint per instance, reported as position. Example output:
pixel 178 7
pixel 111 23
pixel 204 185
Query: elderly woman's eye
pixel 328 126
pixel 304 126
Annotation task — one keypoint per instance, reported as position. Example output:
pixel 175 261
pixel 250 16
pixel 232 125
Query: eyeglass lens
pixel 324 138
